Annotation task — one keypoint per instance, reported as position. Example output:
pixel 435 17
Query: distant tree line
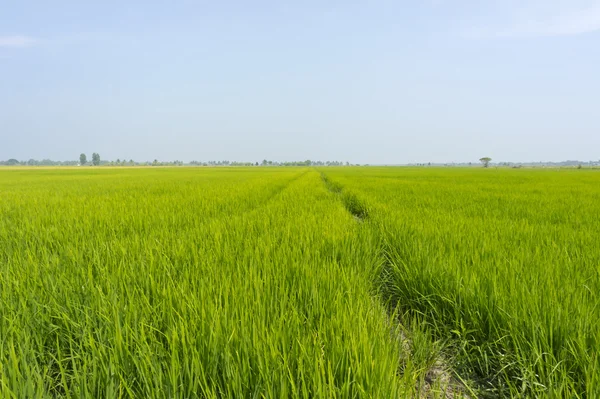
pixel 97 161
pixel 35 162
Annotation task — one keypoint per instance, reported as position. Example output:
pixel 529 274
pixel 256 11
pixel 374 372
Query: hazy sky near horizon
pixel 359 81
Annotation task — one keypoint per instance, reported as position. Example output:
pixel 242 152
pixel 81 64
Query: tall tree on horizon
pixel 485 161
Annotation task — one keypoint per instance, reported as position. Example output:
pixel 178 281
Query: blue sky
pixel 358 81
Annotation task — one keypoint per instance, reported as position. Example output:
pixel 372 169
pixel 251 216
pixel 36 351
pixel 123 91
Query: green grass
pixel 296 282
pixel 187 283
pixel 504 263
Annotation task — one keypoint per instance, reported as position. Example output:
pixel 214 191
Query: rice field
pixel 505 263
pixel 299 282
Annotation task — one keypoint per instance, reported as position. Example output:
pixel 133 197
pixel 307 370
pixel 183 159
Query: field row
pixel 298 282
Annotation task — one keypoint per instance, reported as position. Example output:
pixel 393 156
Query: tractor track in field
pixel 353 205
pixel 439 380
pixel 253 208
pixel 275 193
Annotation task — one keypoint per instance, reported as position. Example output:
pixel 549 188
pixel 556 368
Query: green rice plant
pixel 295 282
pixel 189 282
pixel 504 263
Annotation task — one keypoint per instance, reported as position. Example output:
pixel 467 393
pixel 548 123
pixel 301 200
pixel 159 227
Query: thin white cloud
pixel 524 18
pixel 562 22
pixel 17 41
